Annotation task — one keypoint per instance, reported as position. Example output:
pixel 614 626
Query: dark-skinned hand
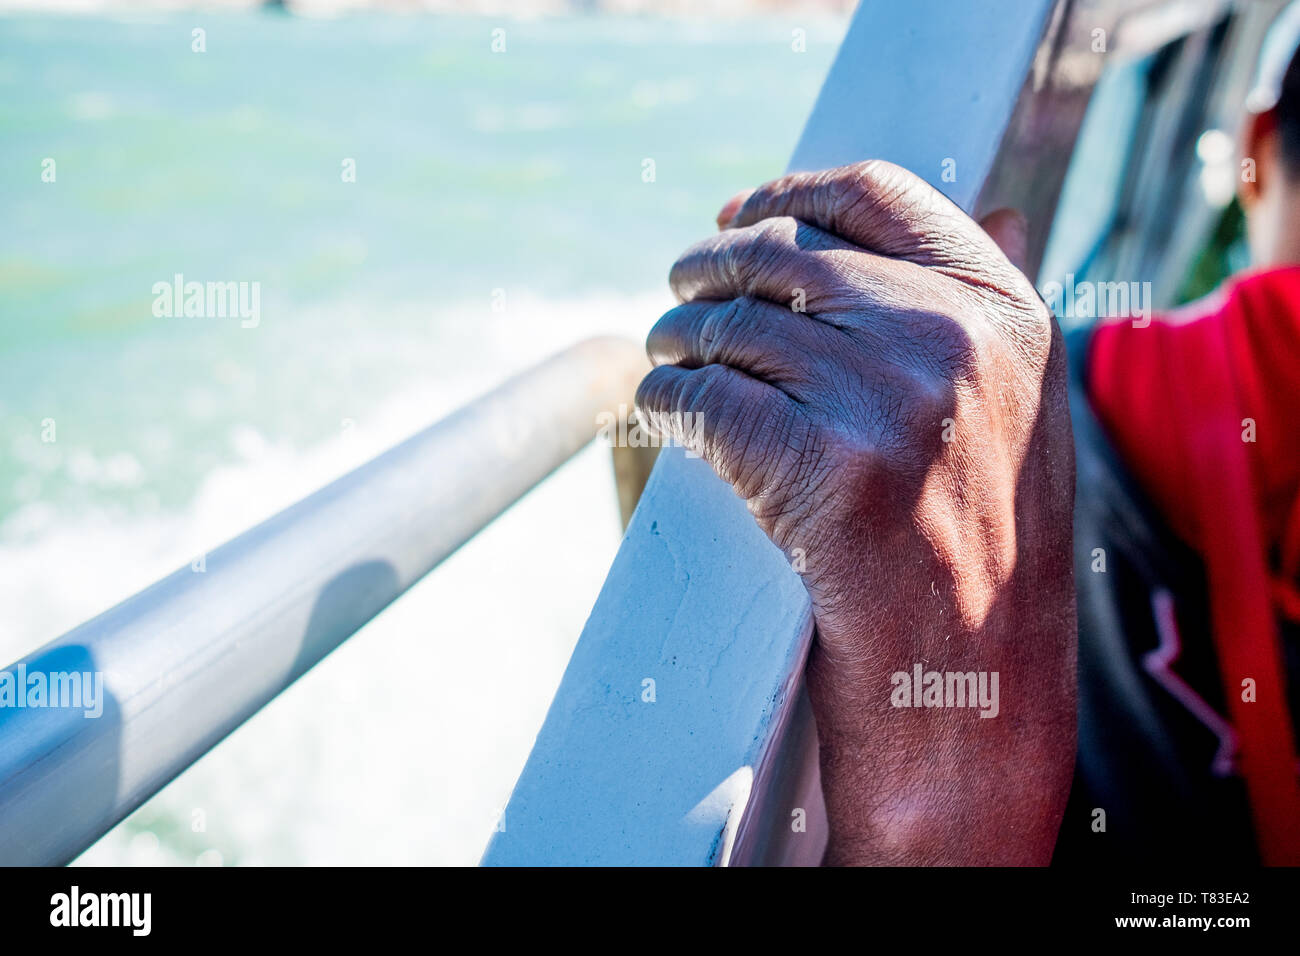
pixel 884 388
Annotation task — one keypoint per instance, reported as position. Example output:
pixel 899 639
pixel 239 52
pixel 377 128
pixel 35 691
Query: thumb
pixel 1009 229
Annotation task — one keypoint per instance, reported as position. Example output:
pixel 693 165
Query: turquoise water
pixel 519 171
pixel 482 179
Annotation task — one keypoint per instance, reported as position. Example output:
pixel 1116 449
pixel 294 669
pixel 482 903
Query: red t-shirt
pixel 1204 407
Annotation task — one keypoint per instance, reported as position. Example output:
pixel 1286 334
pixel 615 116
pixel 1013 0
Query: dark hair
pixel 1288 115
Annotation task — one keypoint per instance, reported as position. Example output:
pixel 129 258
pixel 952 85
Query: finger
pixel 731 207
pixel 733 421
pixel 761 339
pixel 1009 229
pixel 786 262
pixel 876 205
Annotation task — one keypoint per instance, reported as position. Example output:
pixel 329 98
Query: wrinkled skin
pixel 906 441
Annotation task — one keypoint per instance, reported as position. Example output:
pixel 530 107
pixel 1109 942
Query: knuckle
pixel 866 180
pixel 776 229
pixel 757 251
pixel 769 239
pixel 718 327
pixel 929 398
pixel 879 176
pixel 863 198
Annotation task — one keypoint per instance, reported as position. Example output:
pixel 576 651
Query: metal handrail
pixel 189 659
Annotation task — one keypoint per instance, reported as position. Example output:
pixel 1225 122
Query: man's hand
pixel 887 392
